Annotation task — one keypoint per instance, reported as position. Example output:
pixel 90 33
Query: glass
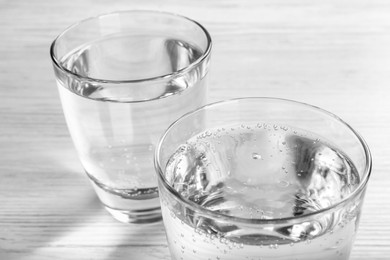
pixel 123 78
pixel 261 178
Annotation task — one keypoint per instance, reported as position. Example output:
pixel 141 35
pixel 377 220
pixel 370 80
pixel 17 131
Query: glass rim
pixel 176 73
pixel 206 212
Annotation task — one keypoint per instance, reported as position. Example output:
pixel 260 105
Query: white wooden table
pixel 334 54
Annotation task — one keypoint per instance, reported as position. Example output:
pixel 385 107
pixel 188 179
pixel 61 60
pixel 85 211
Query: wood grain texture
pixel 333 54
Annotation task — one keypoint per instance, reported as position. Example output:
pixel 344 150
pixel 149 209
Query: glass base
pixel 136 217
pixel 130 206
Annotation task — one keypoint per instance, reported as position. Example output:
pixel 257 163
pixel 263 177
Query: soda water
pixel 249 174
pixel 116 126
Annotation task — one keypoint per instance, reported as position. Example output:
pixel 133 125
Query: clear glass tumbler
pixel 123 78
pixel 261 178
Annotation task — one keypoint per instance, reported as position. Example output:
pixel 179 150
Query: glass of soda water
pixel 261 179
pixel 123 78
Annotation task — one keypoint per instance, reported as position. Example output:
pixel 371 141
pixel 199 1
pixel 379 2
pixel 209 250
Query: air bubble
pixel 273 246
pixel 284 183
pixel 284 128
pixel 256 156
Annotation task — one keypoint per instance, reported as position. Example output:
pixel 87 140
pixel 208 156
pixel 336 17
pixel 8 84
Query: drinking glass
pixel 123 78
pixel 261 178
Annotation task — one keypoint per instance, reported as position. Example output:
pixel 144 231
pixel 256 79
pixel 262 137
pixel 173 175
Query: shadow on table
pixel 140 242
pixel 58 215
pixel 45 216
